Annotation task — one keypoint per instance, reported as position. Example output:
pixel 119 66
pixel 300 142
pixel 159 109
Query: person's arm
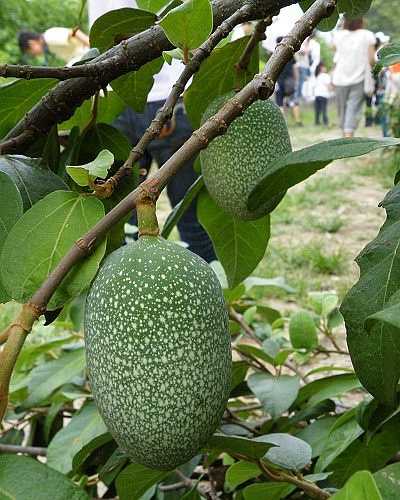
pixel 372 55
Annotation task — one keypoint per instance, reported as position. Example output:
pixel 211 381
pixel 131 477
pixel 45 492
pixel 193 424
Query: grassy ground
pixel 322 224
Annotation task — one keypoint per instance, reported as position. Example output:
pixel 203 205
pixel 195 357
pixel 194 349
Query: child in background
pixel 322 91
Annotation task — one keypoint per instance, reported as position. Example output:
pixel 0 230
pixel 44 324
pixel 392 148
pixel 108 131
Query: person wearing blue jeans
pixel 133 125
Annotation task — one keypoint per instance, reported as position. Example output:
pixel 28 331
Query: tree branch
pixel 106 188
pixel 312 490
pixel 28 450
pixel 92 70
pixel 61 101
pixel 257 36
pixel 261 87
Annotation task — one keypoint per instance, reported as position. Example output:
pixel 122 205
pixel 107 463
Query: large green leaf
pixel 217 76
pixel 10 211
pixel 134 87
pixel 361 486
pixel 295 167
pixel 289 452
pixel 388 482
pixel 239 245
pixel 23 478
pixel 235 444
pixel 188 25
pixel 328 387
pixel 270 491
pixel 317 433
pixel 375 345
pixel 18 97
pixel 136 479
pixel 33 181
pixel 343 432
pixel 240 472
pixel 152 5
pixel 39 240
pixel 82 429
pixel 116 25
pixel 103 136
pixel 47 377
pixel 108 108
pixel 365 454
pixel 275 393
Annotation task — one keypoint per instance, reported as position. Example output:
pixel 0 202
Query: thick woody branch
pixel 61 101
pixel 165 112
pixel 92 70
pixel 261 86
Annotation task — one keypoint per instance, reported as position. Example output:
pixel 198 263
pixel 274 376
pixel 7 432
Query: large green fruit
pixel 158 350
pixel 233 163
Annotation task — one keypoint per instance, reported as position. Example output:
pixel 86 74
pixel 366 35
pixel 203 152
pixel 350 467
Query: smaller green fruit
pixel 302 331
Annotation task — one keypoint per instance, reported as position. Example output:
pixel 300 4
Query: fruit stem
pixel 147 219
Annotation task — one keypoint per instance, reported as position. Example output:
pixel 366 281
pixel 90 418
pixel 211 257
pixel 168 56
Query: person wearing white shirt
pixel 322 91
pixel 354 57
pixel 173 135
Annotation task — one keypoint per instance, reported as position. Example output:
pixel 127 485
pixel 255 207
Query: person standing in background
pixel 173 135
pixel 354 57
pixel 322 90
pixel 66 44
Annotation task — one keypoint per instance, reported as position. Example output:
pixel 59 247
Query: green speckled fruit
pixel 158 351
pixel 233 163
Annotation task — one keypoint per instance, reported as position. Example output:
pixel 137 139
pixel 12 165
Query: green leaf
pixel 47 377
pixel 388 55
pixel 217 76
pixel 51 150
pixel 103 136
pixel 175 215
pixel 84 175
pixel 235 444
pixel 328 387
pixel 323 302
pixel 152 5
pixel 361 486
pixel 302 331
pixel 18 97
pixel 289 452
pixel 270 491
pixel 276 394
pixel 41 237
pixel 188 25
pixel 240 472
pixel 23 478
pixel 344 431
pixel 33 181
pixel 367 454
pixel 115 25
pixel 389 316
pixel 388 482
pixel 134 87
pixel 88 449
pixel 10 211
pixel 239 245
pixel 108 108
pixel 136 479
pixel 239 372
pixel 279 282
pixel 375 344
pixel 83 427
pixel 299 165
pixel 317 433
pixel 354 8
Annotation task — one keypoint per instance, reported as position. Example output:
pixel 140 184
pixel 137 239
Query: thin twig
pixel 257 36
pixel 92 70
pixel 261 87
pixel 106 189
pixel 311 489
pixel 239 319
pixel 35 451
